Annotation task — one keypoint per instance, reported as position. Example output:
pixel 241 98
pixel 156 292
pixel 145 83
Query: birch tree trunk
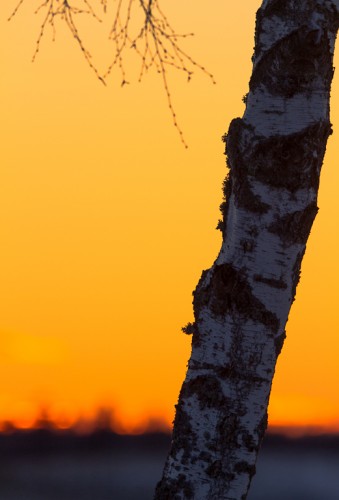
pixel 241 304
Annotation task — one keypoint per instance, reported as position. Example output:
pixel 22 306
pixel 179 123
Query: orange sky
pixel 106 222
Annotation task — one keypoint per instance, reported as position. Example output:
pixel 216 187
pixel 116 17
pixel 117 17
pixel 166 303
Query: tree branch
pixel 140 25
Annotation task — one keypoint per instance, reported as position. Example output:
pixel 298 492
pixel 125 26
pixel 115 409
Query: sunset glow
pixel 107 221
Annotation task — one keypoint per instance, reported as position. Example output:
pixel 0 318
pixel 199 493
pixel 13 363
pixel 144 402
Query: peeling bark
pixel 241 304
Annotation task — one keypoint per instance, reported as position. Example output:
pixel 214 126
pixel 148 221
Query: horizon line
pixel 86 427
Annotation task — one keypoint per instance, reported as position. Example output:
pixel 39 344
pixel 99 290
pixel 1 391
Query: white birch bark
pixel 242 302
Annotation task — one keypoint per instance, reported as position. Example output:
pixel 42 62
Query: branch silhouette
pixel 138 25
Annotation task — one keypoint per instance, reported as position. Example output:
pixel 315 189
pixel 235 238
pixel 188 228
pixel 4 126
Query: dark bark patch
pixel 174 489
pixel 278 8
pixel 244 467
pixel 290 9
pixel 208 390
pixel 227 189
pixel 295 227
pixel 274 283
pixel 221 226
pixel 234 141
pixel 245 372
pixel 215 469
pixel 228 291
pixel 228 431
pixel 198 304
pixel 189 329
pixel 225 372
pixel 279 342
pixel 183 436
pixel 296 272
pixel 250 443
pixel 262 427
pixel 239 140
pixel 235 372
pixel 205 456
pixel 245 198
pixel 291 65
pixel 227 186
pixel 292 161
pixel 199 300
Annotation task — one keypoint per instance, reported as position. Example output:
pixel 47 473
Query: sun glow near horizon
pixel 107 222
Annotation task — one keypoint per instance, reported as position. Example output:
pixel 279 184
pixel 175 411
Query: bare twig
pixel 65 10
pixel 157 45
pixel 155 42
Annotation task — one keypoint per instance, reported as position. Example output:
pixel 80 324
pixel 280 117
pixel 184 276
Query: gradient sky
pixel 107 221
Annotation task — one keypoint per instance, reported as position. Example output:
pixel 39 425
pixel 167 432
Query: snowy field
pixel 108 467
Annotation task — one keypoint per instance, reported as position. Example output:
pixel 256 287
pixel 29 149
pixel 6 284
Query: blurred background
pixel 106 223
pixel 42 465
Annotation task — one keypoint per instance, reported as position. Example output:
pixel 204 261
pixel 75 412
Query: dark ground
pixel 43 465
